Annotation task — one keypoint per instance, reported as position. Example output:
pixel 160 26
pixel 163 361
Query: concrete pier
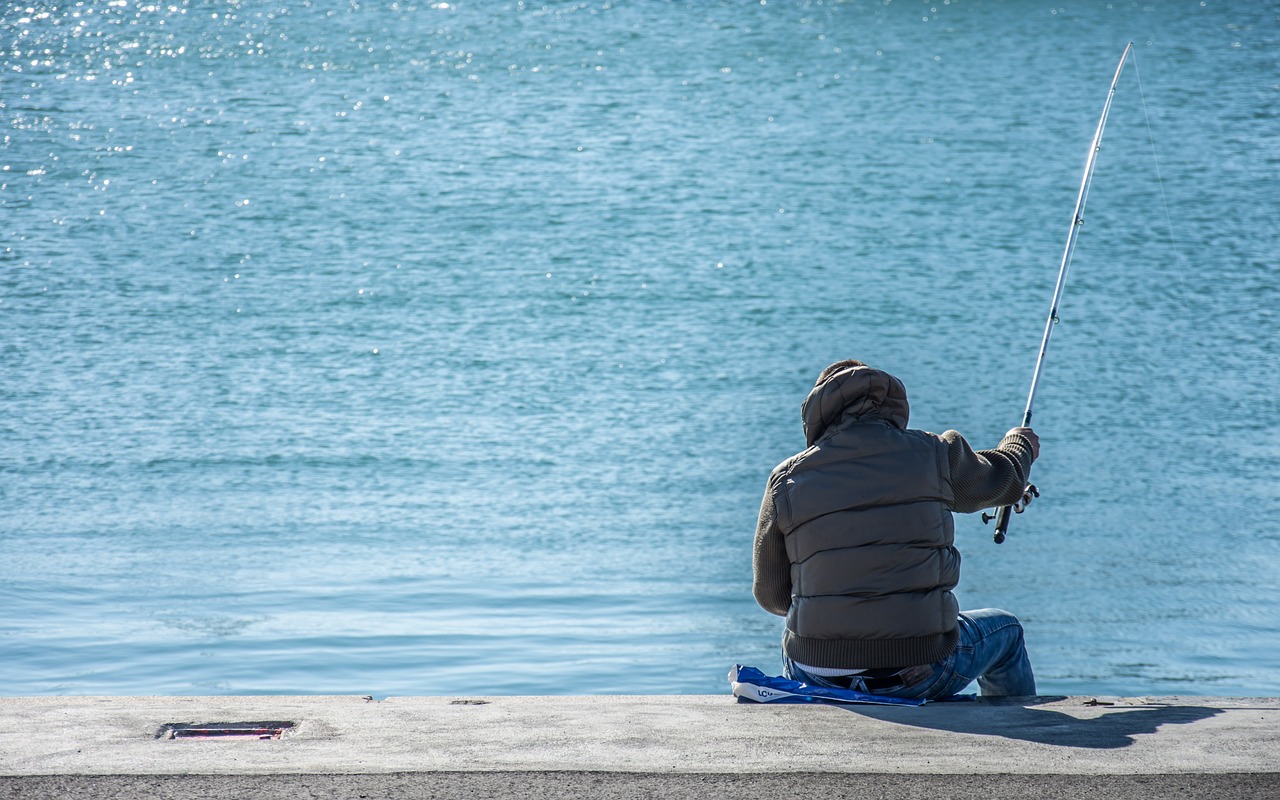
pixel 644 746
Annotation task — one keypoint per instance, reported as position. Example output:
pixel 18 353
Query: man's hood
pixel 854 393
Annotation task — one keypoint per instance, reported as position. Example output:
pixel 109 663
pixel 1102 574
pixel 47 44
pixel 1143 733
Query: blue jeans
pixel 991 649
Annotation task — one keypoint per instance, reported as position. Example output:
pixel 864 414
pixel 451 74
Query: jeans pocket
pixel 942 681
pixel 914 676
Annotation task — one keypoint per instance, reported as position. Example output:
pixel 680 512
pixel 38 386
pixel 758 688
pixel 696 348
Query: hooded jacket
pixel 861 522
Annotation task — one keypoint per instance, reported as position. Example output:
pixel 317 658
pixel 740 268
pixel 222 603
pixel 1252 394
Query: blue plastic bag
pixel 752 684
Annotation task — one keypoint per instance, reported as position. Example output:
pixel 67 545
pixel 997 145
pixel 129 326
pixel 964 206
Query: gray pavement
pixel 644 746
pixel 628 785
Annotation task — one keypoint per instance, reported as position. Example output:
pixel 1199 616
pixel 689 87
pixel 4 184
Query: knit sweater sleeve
pixel 771 567
pixel 987 478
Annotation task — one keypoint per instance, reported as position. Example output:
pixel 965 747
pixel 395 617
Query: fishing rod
pixel 1002 515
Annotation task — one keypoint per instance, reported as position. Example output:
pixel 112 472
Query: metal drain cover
pixel 223 730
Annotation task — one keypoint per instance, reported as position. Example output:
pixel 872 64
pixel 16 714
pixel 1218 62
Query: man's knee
pixel 992 620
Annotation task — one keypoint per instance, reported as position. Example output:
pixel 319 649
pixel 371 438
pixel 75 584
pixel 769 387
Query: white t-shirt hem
pixel 830 672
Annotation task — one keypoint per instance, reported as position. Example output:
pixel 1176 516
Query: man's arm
pixel 990 478
pixel 770 565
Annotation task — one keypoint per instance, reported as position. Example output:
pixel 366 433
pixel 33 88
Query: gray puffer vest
pixel 866 516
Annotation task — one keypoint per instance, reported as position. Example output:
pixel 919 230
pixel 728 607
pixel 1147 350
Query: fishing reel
pixel 1028 494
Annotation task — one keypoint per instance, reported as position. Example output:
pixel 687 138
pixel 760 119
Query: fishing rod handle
pixel 1002 517
pixel 1003 514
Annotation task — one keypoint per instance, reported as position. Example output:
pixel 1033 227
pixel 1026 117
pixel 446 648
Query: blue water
pixel 407 348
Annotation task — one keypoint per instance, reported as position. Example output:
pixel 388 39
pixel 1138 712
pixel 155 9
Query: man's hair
pixel 836 367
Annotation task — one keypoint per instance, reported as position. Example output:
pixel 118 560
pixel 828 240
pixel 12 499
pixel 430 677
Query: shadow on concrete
pixel 1114 728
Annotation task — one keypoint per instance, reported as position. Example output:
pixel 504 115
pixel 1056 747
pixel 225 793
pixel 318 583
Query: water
pixel 400 348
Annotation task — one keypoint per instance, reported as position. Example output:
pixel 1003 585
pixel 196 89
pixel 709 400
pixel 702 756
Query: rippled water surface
pixel 410 348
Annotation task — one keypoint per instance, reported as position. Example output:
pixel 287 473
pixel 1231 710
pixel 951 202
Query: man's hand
pixel 1030 436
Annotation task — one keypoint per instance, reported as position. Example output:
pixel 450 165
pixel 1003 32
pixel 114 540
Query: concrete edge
pixel 640 734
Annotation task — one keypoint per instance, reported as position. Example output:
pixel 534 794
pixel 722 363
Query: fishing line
pixel 1168 218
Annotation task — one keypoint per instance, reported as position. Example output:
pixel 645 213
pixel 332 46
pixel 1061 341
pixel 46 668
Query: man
pixel 855 547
